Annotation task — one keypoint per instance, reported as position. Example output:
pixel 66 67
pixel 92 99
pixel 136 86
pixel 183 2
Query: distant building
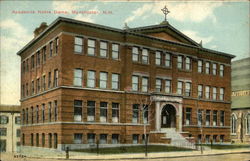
pixel 10 128
pixel 240 118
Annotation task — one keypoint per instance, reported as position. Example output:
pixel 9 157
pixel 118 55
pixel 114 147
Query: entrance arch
pixel 168 116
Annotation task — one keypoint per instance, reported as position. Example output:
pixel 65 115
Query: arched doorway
pixel 168 117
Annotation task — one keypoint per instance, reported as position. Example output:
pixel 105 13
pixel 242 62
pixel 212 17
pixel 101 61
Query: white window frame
pixel 78 45
pixel 135 54
pixel 168 86
pixel 103 80
pixel 91 79
pixel 188 63
pixel 115 51
pixel 207 92
pixel 135 83
pixel 91 47
pixel 78 77
pixel 180 62
pixel 222 68
pixel 200 66
pixel 167 59
pixel 115 81
pixel 103 49
pixel 158 56
pixel 145 56
pixel 158 85
pixel 222 94
pixel 179 87
pixel 214 93
pixel 144 84
pixel 214 69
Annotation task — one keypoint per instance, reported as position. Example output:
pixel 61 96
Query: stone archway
pixel 168 116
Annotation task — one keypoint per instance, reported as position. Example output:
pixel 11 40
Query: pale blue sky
pixel 222 26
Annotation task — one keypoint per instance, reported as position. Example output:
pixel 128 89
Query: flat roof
pixel 10 108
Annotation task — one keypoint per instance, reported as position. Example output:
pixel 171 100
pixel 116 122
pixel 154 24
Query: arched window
pixel 248 123
pixel 233 124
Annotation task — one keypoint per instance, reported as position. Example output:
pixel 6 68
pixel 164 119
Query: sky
pixel 221 25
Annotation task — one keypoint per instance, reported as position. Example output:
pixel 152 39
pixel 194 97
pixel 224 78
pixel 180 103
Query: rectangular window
pixel 135 54
pixel 44 82
pixel 180 62
pixel 103 111
pixel 38 58
pixel 115 138
pixel 221 70
pixel 168 86
pixel 56 78
pixel 167 60
pixel 115 51
pixel 91 79
pixel 77 138
pixel 91 110
pixel 91 138
pixel 43 112
pixel 50 111
pixel 77 110
pixel 57 45
pixel 214 69
pixel 78 45
pixel 27 116
pixel 33 87
pixel 188 63
pixel 214 93
pixel 188 89
pixel 32 139
pixel 18 132
pixel 32 117
pixel 145 114
pixel 158 85
pixel 49 80
pixel 91 47
pixel 115 81
pixel 115 112
pixel 103 49
pixel 179 88
pixel 158 58
pixel 222 118
pixel 207 92
pixel 135 118
pixel 4 119
pixel 44 54
pixel 208 118
pixel 3 131
pixel 38 87
pixel 144 84
pixel 214 118
pixel 200 117
pixel 188 116
pixel 18 120
pixel 207 68
pixel 51 49
pixel 43 139
pixel 200 91
pixel 135 138
pixel 78 77
pixel 145 56
pixel 27 65
pixel 37 139
pixel 200 66
pixel 103 138
pixel 55 110
pixel 222 91
pixel 32 61
pixel 27 89
pixel 37 114
pixel 135 83
pixel 103 80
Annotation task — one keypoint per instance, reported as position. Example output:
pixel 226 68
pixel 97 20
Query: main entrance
pixel 168 117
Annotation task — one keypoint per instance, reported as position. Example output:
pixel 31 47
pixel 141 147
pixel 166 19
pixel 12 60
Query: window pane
pixel 91 79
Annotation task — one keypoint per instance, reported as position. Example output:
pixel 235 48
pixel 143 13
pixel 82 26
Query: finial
pixel 125 26
pixel 165 12
pixel 201 43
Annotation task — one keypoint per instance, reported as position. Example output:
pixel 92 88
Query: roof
pixel 10 108
pixel 132 31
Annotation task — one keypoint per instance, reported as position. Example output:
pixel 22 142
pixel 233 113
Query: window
pixel 23 91
pixel 43 139
pixel 50 111
pixel 215 118
pixel 37 139
pixel 135 54
pixel 23 139
pixel 222 138
pixel 248 124
pixel 50 140
pixel 145 114
pixel 18 120
pixel 91 79
pixel 180 62
pixel 135 138
pixel 135 118
pixel 91 110
pixel 37 113
pixel 222 94
pixel 115 51
pixel 77 138
pixel 199 139
pixel 4 119
pixel 49 80
pixel 33 87
pixel 200 91
pixel 135 83
pixel 115 81
pixel 77 110
pixel 115 138
pixel 214 138
pixel 158 58
pixel 188 89
pixel 55 140
pixel 2 145
pixel 103 138
pixel 200 66
pixel 32 117
pixel 78 77
pixel 91 47
pixel 3 131
pixel 222 118
pixel 23 117
pixel 51 49
pixel 38 58
pixel 57 45
pixel 188 63
pixel 43 112
pixel 38 87
pixel 78 45
pixel 233 124
pixel 144 84
pixel 32 61
pixel 214 93
pixel 44 54
pixel 44 82
pixel 27 65
pixel 115 112
pixel 56 78
pixel 55 110
pixel 208 118
pixel 27 89
pixel 188 116
pixel 27 116
pixel 103 111
pixel 168 86
pixel 221 70
pixel 200 117
pixel 103 49
pixel 103 80
pixel 91 138
pixel 207 139
pixel 207 68
pixel 32 140
pixel 145 56
pixel 214 69
pixel 158 85
pixel 207 92
pixel 167 60
pixel 179 87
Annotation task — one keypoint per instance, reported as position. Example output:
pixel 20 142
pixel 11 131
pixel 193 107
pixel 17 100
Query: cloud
pixel 88 17
pixel 65 5
pixel 197 37
pixel 181 11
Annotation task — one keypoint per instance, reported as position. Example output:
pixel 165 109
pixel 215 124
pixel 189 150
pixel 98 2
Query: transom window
pixel 78 45
pixel 103 49
pixel 91 47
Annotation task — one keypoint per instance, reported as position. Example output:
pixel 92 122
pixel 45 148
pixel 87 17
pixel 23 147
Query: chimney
pixel 40 29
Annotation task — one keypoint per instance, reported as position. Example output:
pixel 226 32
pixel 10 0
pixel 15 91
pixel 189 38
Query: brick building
pixel 83 82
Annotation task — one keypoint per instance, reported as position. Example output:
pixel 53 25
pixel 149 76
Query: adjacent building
pixel 240 118
pixel 83 83
pixel 10 128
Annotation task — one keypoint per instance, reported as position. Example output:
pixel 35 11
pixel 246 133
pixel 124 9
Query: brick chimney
pixel 40 29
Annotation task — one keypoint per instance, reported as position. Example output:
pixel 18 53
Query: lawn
pixel 227 146
pixel 134 149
